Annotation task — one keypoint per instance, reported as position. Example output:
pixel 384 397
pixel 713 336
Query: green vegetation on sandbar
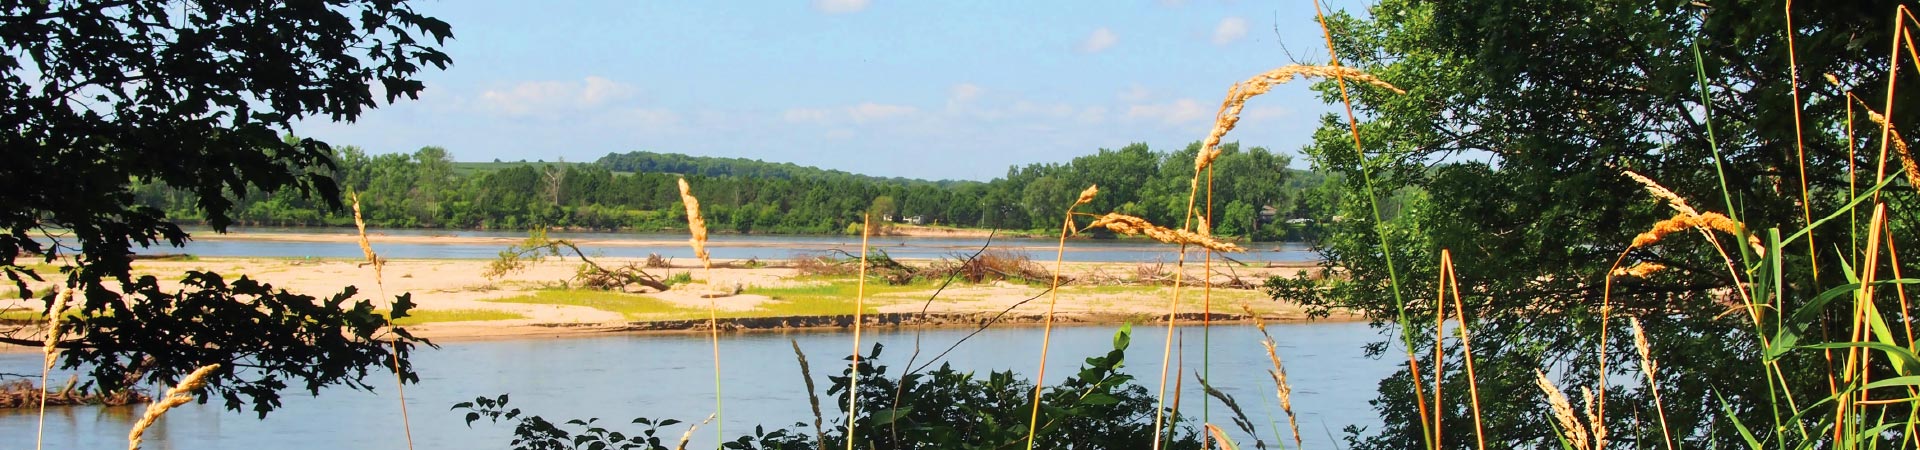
pixel 833 296
pixel 633 306
pixel 423 316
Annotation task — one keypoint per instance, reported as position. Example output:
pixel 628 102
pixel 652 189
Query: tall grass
pixel 1053 298
pixel 373 259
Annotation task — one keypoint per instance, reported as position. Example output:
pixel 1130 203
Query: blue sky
pixel 954 90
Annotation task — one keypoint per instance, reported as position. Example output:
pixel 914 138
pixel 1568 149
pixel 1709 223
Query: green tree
pixel 883 207
pixel 1508 150
pixel 1237 219
pixel 101 96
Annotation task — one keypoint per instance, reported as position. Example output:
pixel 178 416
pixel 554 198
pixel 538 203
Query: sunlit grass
pixel 632 306
pixel 423 316
pixel 32 314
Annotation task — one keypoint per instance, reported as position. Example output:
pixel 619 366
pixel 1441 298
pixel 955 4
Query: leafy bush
pixel 1097 408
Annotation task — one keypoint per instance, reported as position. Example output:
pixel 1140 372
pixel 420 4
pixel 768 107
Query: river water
pixel 724 246
pixel 619 377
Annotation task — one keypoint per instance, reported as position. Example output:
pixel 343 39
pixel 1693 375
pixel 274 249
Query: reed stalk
pixel 1053 297
pixel 380 282
pixel 859 306
pixel 1649 367
pixel 1386 244
pixel 1281 388
pixel 1466 346
pixel 697 226
pixel 806 374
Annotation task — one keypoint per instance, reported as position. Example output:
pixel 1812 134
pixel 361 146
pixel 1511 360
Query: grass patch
pixel 633 306
pixel 834 297
pixel 422 316
pixel 33 314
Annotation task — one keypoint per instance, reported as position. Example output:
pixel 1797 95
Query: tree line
pixel 636 191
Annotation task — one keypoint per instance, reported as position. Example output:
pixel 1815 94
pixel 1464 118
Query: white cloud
pixel 1230 29
pixel 1136 94
pixel 1178 112
pixel 872 112
pixel 1264 113
pixel 1101 39
pixel 547 97
pixel 1092 115
pixel 808 115
pixel 964 92
pixel 863 113
pixel 650 119
pixel 841 6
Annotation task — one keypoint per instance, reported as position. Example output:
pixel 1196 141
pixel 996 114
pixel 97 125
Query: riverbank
pixel 533 303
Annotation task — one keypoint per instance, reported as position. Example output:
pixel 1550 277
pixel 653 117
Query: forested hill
pixel 675 163
pixel 637 191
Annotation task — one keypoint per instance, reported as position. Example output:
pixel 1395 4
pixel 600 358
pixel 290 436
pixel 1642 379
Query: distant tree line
pixel 636 191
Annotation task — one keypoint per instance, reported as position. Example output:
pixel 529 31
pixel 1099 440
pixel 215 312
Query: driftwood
pixel 591 274
pixel 22 393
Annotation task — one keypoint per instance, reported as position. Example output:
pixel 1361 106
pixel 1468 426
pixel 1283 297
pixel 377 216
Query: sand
pixel 460 285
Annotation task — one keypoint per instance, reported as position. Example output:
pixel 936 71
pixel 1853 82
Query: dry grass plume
pixel 1641 270
pixel 1907 162
pixel 366 247
pixel 179 395
pixel 1237 96
pixel 1282 388
pixel 1125 224
pixel 1649 367
pixel 1704 221
pixel 52 349
pixel 1563 412
pixel 695 224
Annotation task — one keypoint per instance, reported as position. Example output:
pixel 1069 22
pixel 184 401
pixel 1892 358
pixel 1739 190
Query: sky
pixel 934 90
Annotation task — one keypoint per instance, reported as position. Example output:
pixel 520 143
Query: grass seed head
pixel 1647 363
pixel 1237 96
pixel 180 394
pixel 695 224
pixel 54 314
pixel 1907 162
pixel 1125 224
pixel 1661 192
pixel 1705 221
pixel 1086 196
pixel 1563 412
pixel 1641 270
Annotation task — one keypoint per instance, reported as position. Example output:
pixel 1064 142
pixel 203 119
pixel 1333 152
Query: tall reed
pixel 1373 203
pixel 52 349
pixel 1053 298
pixel 373 258
pixel 859 306
pixel 697 226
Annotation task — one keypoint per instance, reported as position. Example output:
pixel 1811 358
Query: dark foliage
pixel 1097 408
pixel 1519 119
pixel 99 96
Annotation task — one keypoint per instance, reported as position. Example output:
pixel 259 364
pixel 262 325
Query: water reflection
pixel 619 377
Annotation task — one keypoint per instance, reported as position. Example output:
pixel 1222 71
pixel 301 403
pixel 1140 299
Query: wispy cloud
pixel 549 97
pixel 841 6
pixel 860 114
pixel 1100 40
pixel 1229 30
pixel 1178 112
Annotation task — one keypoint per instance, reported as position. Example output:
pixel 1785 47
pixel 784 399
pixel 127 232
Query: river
pixel 723 246
pixel 619 377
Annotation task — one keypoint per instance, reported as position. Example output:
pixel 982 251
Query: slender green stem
pixel 1380 230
